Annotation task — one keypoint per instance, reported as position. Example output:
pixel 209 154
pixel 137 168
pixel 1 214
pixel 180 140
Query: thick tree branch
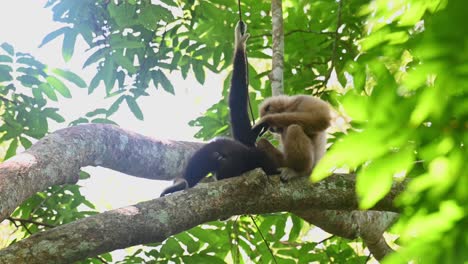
pixel 155 220
pixel 57 159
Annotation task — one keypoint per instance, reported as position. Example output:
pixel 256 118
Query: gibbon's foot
pixel 178 185
pixel 287 174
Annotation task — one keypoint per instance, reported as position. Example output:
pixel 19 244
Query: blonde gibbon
pixel 301 121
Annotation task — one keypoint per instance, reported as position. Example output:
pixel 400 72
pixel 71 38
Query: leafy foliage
pixel 402 74
pixel 25 86
pixel 412 116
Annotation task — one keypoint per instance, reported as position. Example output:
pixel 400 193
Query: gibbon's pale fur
pixel 301 121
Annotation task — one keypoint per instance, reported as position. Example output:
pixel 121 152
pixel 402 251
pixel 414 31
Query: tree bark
pixel 57 158
pixel 276 76
pixel 155 220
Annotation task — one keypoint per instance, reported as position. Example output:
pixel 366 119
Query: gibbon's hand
pixel 260 128
pixel 240 34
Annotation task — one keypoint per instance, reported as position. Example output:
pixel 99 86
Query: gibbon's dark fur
pixel 301 121
pixel 226 157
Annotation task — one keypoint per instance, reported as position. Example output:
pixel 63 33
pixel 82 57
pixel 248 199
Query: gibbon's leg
pixel 311 122
pixel 298 152
pixel 319 142
pixel 272 152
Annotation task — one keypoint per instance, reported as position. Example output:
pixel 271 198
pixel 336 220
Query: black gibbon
pixel 301 121
pixel 226 157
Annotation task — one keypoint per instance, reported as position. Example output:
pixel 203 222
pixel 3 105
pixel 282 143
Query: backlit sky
pixel 24 23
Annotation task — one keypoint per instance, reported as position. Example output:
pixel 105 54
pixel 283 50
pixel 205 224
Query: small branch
pixel 29 221
pixel 325 240
pixel 309 32
pixel 263 238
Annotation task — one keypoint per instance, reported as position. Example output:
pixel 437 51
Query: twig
pixel 325 239
pixel 309 32
pixel 26 227
pixel 264 240
pixel 268 34
pixel 101 259
pixel 29 221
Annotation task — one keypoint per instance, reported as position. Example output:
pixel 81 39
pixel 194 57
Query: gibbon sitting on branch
pixel 301 121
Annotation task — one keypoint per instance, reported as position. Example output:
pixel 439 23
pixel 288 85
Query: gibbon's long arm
pixel 238 95
pixel 225 157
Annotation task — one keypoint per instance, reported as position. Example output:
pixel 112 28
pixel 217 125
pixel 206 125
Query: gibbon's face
pixel 273 105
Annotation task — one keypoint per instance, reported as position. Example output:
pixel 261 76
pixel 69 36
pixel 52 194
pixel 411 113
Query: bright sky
pixel 24 23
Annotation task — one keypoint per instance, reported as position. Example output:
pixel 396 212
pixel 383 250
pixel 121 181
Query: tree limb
pixel 157 219
pixel 57 158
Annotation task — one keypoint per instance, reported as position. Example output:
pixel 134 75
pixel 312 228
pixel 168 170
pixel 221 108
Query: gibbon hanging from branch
pixel 226 157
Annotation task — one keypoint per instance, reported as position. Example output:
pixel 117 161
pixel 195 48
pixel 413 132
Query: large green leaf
pixel 68 46
pixel 132 104
pixel 70 76
pixel 54 34
pixel 59 86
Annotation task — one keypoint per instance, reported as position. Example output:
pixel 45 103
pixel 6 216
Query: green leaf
pixel 94 83
pixel 96 56
pixel 11 151
pixel 132 104
pixel 115 106
pixel 48 91
pixel 59 86
pixel 80 120
pixel 108 73
pixel 98 111
pixel 26 143
pixel 199 72
pixel 120 43
pixel 125 62
pixel 54 34
pixel 68 46
pixel 70 76
pixel 356 106
pixel 202 259
pixel 8 48
pixel 164 81
pixel 374 180
pixel 5 58
pixel 103 121
pixel 351 151
pixel 31 62
pixel 171 247
pixel 52 114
